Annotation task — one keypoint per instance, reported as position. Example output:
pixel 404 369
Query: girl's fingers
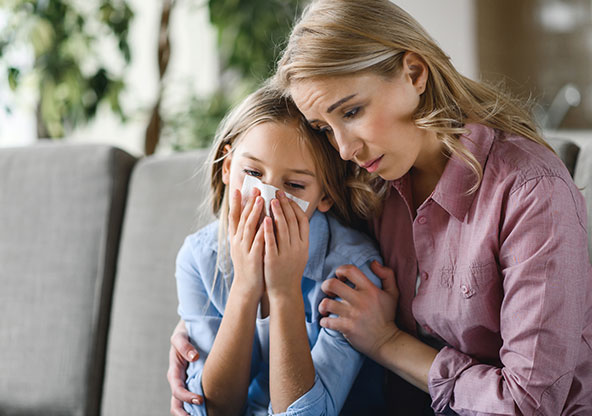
pixel 283 233
pixel 259 241
pixel 235 211
pixel 270 243
pixel 252 221
pixel 289 215
pixel 302 221
pixel 245 215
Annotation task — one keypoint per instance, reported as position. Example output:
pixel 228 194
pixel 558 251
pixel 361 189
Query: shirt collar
pixel 451 192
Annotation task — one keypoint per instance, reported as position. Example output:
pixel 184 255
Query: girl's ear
pixel 417 69
pixel 226 165
pixel 325 204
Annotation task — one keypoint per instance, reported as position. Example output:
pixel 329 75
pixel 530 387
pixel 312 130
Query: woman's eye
pixel 352 113
pixel 294 185
pixel 252 173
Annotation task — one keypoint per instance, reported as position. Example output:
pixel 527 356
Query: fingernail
pixel 192 355
pixel 196 401
pixel 281 194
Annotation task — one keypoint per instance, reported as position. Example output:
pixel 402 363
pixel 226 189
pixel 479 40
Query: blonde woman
pixel 488 307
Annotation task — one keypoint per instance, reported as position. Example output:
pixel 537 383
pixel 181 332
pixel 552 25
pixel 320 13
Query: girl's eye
pixel 294 185
pixel 252 173
pixel 352 113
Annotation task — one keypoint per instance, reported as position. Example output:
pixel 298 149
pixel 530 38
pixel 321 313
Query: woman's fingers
pixel 176 379
pixel 387 277
pixel 354 275
pixel 331 306
pixel 337 288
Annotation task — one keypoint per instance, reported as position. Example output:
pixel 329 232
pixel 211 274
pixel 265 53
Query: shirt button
pixel 422 220
pixel 424 275
pixel 464 289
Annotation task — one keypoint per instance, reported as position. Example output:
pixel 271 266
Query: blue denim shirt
pixel 336 362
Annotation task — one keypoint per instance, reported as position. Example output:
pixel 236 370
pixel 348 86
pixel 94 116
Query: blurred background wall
pixel 219 49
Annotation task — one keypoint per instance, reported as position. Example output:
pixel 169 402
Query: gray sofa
pixel 88 238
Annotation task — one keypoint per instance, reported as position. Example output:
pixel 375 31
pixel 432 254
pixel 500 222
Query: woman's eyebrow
pixel 338 103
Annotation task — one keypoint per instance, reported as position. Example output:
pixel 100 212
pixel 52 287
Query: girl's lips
pixel 373 165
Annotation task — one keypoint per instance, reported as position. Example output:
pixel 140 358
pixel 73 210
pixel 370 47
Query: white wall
pixel 452 24
pixel 193 67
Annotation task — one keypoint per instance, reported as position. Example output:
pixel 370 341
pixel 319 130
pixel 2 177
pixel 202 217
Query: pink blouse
pixel 506 282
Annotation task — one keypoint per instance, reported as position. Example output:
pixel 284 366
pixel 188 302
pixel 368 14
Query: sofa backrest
pixel 165 204
pixel 61 207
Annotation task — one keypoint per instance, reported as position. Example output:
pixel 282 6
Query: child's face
pixel 273 153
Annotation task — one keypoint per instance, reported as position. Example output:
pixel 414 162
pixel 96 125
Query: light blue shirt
pixel 336 362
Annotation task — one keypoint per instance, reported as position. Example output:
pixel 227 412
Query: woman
pixel 490 306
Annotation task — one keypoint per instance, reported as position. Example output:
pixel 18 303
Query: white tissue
pixel 267 193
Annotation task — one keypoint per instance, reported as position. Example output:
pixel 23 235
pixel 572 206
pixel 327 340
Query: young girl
pixel 249 294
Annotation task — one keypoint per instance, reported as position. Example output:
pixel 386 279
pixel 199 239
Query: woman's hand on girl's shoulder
pixel 286 249
pixel 247 244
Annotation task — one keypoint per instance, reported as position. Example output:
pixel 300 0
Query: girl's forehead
pixel 278 143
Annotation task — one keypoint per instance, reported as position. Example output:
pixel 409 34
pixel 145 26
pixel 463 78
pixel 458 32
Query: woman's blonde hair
pixel 336 177
pixel 345 37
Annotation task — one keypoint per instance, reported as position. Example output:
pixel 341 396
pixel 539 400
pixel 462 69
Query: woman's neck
pixel 428 168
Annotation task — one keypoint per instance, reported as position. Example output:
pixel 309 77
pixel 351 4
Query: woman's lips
pixel 372 165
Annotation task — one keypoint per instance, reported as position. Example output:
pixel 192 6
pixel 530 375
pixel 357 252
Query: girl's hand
pixel 246 244
pixel 366 314
pixel 286 251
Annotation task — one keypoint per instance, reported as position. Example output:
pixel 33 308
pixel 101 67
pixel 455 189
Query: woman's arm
pixel 291 369
pixel 226 373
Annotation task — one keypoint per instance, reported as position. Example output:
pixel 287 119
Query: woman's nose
pixel 348 145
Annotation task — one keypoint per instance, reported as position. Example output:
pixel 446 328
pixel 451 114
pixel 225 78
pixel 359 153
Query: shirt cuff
pixel 445 369
pixel 310 403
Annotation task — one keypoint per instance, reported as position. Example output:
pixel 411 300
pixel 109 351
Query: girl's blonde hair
pixel 336 177
pixel 345 37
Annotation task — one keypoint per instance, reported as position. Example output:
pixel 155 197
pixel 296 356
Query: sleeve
pixel 202 320
pixel 336 364
pixel 544 264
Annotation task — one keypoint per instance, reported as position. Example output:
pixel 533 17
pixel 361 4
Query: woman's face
pixel 369 118
pixel 273 153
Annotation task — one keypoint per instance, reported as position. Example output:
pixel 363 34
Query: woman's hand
pixel 366 314
pixel 286 251
pixel 247 243
pixel 180 354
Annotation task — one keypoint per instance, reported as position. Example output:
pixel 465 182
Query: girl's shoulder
pixel 200 244
pixel 352 245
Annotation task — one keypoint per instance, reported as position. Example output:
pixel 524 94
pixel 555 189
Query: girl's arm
pixel 291 368
pixel 226 373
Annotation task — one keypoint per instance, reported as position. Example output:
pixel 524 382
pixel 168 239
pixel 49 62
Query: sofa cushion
pixel 60 216
pixel 165 204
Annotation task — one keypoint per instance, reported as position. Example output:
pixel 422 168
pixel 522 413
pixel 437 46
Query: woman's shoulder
pixel 520 159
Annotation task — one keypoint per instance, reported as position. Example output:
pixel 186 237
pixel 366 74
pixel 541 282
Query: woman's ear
pixel 226 164
pixel 325 204
pixel 415 67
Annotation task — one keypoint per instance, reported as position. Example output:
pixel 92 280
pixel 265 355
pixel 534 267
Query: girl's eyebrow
pixel 300 171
